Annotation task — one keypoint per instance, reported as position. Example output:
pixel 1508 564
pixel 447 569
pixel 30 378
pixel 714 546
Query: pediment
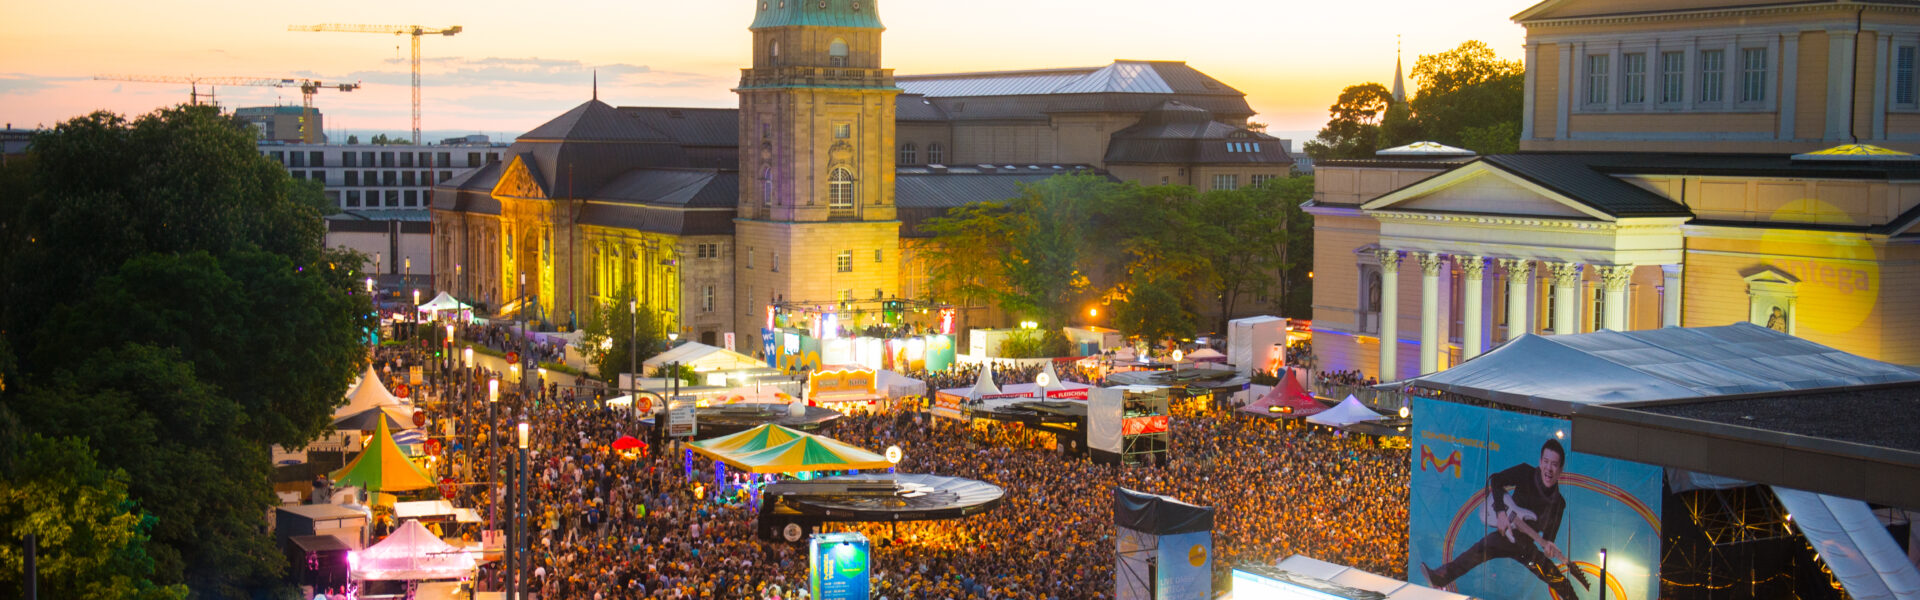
pixel 1768 275
pixel 1567 9
pixel 1480 189
pixel 519 181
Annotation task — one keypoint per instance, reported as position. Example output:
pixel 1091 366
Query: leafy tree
pixel 170 299
pixel 608 328
pixel 92 538
pixel 964 263
pixel 1042 263
pixel 1155 310
pixel 1468 97
pixel 353 140
pixel 1353 130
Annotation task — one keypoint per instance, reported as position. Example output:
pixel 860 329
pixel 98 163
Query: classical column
pixel 1670 309
pixel 1566 297
pixel 1614 280
pixel 1430 264
pixel 1389 312
pixel 1475 269
pixel 1519 285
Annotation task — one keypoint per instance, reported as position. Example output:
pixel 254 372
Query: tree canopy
pixel 1158 255
pixel 171 307
pixel 611 325
pixel 1467 97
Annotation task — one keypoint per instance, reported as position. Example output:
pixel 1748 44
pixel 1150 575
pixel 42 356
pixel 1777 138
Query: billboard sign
pixel 1502 510
pixel 838 566
pixel 680 422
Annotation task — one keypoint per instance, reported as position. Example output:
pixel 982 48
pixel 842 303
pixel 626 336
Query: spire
pixel 1399 83
pixel 596 82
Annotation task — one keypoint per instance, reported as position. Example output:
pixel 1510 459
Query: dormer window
pixel 837 53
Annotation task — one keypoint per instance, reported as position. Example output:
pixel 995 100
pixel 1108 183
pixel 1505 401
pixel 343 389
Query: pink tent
pixel 412 553
pixel 1289 399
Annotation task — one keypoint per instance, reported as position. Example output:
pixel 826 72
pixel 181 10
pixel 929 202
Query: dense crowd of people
pixel 607 524
pixel 1328 378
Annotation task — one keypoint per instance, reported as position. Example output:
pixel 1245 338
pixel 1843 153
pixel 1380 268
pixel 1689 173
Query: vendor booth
pixel 957 403
pixel 412 553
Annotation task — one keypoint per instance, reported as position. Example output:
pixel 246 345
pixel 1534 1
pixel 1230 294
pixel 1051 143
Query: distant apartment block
pixel 375 178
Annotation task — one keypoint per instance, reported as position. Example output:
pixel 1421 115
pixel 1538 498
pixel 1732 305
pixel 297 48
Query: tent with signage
pixel 952 403
pixel 1289 399
pixel 444 302
pixel 775 449
pixel 412 553
pixel 703 358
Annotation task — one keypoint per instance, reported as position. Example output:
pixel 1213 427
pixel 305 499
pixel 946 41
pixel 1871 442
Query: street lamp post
pixel 493 439
pixel 1603 574
pixel 522 512
pixel 633 356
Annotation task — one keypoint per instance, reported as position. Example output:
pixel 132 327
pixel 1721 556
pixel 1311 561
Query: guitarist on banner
pixel 1523 507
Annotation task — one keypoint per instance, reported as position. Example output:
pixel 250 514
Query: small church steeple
pixel 1399 82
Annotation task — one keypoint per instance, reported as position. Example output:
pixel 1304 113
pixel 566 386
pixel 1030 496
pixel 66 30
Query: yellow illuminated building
pixel 1692 163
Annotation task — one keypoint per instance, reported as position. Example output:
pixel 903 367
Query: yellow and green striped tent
pixel 761 450
pixel 752 440
pixel 382 468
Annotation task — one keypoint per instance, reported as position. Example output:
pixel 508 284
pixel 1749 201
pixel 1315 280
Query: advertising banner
pixel 1502 510
pixel 680 420
pixel 1186 566
pixel 940 353
pixel 1143 425
pixel 1079 394
pixel 838 566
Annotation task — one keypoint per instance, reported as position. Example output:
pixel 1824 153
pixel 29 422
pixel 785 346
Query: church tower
pixel 816 221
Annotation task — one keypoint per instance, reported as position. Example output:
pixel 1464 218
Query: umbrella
pixel 382 468
pixel 628 442
pixel 367 419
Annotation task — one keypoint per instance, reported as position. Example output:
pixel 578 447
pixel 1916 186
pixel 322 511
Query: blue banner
pixel 1186 566
pixel 839 568
pixel 1501 509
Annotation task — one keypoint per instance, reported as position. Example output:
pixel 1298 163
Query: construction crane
pixel 308 88
pixel 414 31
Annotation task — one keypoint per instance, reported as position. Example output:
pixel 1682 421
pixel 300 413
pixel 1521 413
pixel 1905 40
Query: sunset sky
pixel 519 64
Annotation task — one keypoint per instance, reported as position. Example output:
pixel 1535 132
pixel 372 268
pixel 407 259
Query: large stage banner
pixel 839 567
pixel 1502 510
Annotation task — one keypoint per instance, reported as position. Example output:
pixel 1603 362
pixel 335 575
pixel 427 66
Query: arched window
pixel 840 189
pixel 935 154
pixel 766 186
pixel 837 53
pixel 908 155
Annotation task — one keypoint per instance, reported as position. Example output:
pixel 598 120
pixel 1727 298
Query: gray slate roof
pixel 595 121
pixel 1176 132
pixel 1123 76
pixel 685 188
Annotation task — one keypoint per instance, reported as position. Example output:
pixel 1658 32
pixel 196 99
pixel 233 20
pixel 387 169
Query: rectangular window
pixel 1753 75
pixel 473 159
pixel 1713 73
pixel 1673 76
pixel 1597 78
pixel 1260 179
pixel 406 159
pixel 842 131
pixel 298 159
pixel 316 159
pixel 320 176
pixel 749 263
pixel 445 175
pixel 353 198
pixel 775 265
pixel 493 157
pixel 349 159
pixel 370 178
pixel 877 255
pixel 1226 182
pixel 843 262
pixel 297 174
pixel 1633 78
pixel 707 304
pixel 389 179
pixel 406 178
pixel 1903 75
pixel 444 159
pixel 386 159
pixel 393 198
pixel 413 198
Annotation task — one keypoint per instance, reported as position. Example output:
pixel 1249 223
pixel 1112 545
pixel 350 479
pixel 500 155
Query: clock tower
pixel 816 221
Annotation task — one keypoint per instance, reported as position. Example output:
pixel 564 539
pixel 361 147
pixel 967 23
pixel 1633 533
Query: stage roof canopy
pixel 1557 374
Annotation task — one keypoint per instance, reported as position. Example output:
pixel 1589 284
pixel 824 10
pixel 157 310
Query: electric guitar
pixel 1522 520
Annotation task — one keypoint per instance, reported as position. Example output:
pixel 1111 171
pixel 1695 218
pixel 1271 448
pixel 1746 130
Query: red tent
pixel 1289 399
pixel 628 443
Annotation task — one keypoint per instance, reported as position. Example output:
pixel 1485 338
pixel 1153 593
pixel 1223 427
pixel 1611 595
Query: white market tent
pixel 1559 373
pixel 412 553
pixel 444 302
pixel 1347 412
pixel 701 357
pixel 369 394
pixel 1394 589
